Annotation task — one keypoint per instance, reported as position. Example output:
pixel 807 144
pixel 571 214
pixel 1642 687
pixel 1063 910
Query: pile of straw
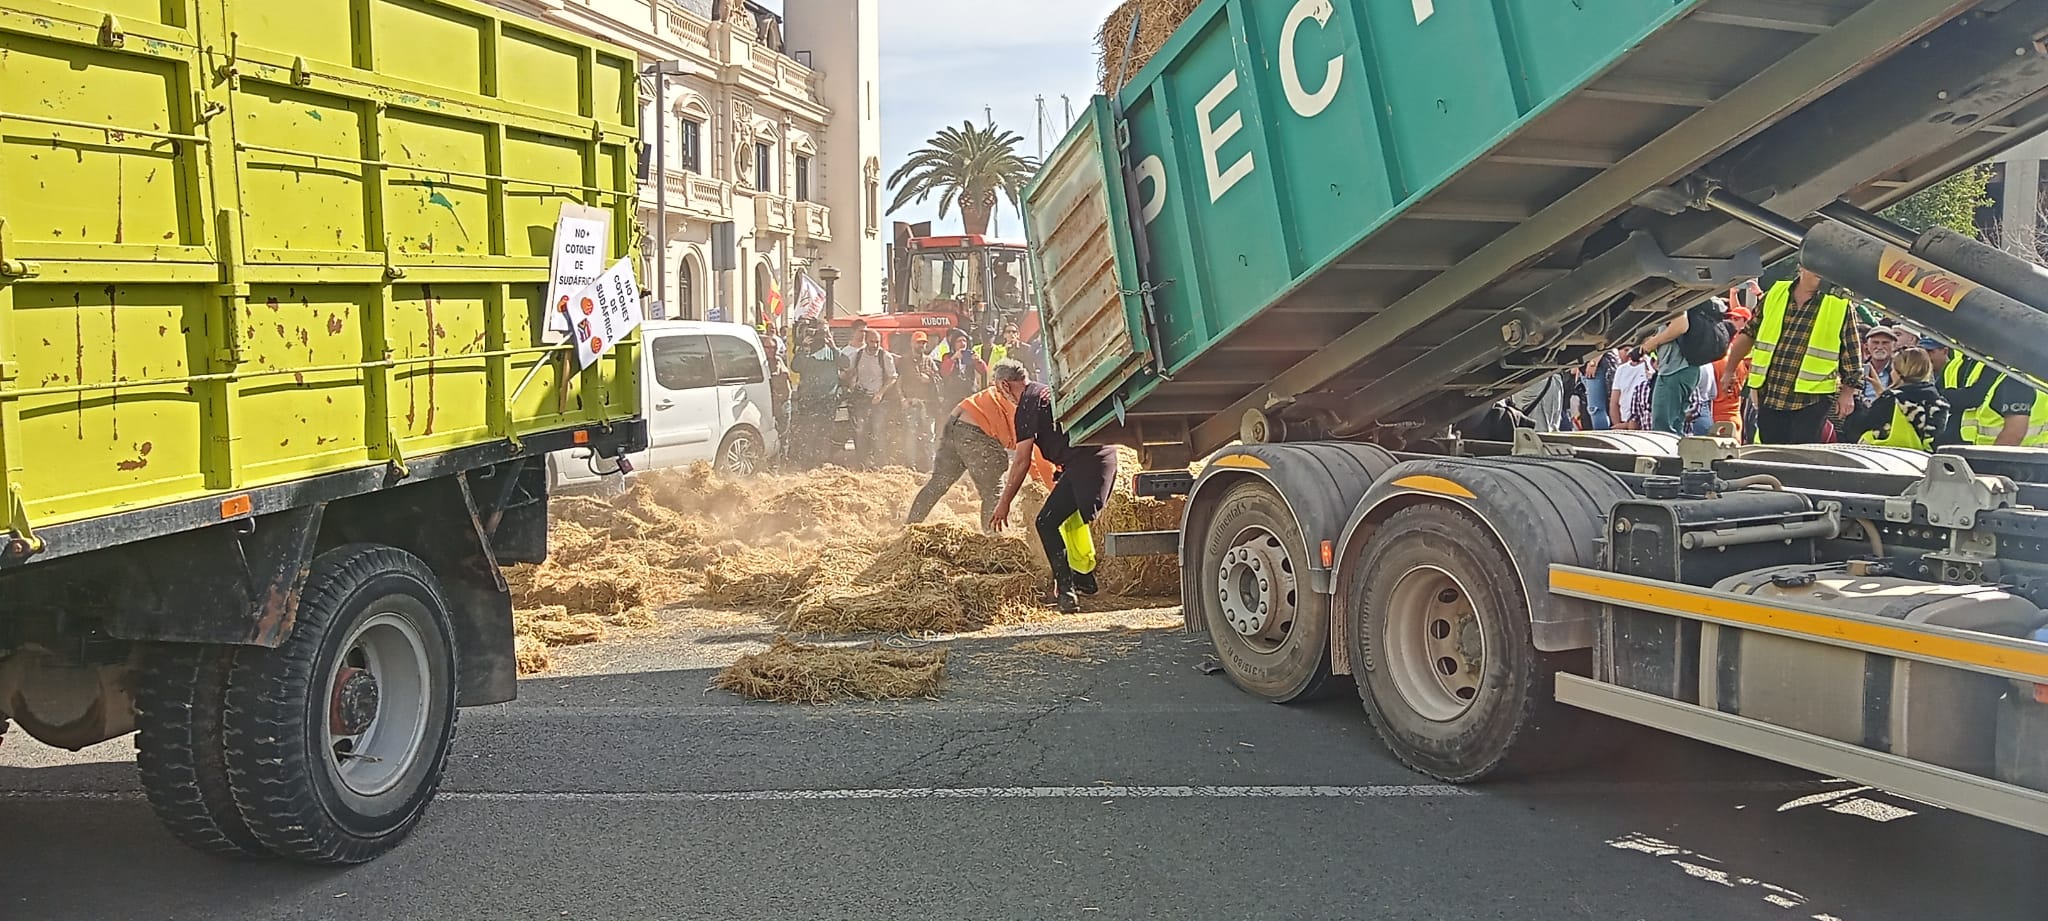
pixel 795 673
pixel 1157 20
pixel 943 577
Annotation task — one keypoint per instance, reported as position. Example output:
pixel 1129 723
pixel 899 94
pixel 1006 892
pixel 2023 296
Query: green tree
pixel 1951 203
pixel 970 165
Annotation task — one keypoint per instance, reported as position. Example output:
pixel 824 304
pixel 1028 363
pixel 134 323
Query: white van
pixel 704 389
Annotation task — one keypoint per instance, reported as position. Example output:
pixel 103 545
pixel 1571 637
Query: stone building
pixel 772 125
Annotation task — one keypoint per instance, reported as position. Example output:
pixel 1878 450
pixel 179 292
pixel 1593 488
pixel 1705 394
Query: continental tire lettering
pixel 1213 136
pixel 1925 280
pixel 1306 103
pixel 1151 170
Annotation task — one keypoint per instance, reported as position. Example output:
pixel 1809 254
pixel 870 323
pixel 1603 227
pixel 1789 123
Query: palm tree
pixel 969 165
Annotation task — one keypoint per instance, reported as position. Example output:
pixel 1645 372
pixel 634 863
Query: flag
pixel 774 301
pixel 810 301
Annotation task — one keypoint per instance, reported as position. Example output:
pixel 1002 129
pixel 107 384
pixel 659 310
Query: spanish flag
pixel 774 301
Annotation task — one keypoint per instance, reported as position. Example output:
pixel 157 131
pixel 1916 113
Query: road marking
pixel 1097 792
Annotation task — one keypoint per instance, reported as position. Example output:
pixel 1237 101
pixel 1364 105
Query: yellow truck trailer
pixel 271 278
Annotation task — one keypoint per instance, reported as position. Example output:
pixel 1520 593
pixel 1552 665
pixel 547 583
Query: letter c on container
pixel 1151 169
pixel 1307 104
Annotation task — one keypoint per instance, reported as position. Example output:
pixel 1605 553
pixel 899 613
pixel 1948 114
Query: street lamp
pixel 830 276
pixel 661 71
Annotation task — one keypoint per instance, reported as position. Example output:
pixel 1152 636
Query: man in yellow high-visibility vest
pixel 1805 360
pixel 1990 408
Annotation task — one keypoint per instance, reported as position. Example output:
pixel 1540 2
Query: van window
pixel 682 363
pixel 737 361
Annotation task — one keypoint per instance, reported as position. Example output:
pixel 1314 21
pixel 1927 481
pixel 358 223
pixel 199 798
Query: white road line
pixel 1099 792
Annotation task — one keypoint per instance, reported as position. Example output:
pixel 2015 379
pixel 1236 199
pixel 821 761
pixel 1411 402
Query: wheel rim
pixel 742 455
pixel 377 705
pixel 1256 584
pixel 1436 644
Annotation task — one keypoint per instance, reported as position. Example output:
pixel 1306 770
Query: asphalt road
pixel 1036 788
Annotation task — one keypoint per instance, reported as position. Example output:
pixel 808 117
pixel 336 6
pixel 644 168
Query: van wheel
pixel 336 741
pixel 742 454
pixel 1442 654
pixel 1271 629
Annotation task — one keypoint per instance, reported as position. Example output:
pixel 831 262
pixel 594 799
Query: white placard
pixel 582 244
pixel 605 312
pixel 810 299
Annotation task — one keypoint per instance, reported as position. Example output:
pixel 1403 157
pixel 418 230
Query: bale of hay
pixel 1157 20
pixel 533 655
pixel 1139 576
pixel 554 625
pixel 795 673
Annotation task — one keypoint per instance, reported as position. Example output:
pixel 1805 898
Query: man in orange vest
pixel 976 441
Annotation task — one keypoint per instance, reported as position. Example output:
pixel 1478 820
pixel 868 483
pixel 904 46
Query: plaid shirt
pixel 1778 392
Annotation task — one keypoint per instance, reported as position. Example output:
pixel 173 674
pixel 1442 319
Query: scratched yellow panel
pixel 428 212
pixel 103 450
pixel 428 43
pixel 168 12
pixel 443 403
pixel 97 185
pixel 299 200
pixel 298 421
pixel 537 70
pixel 531 210
pixel 318 30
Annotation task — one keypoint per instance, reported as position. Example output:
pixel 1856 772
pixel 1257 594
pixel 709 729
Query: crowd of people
pixel 865 404
pixel 1797 363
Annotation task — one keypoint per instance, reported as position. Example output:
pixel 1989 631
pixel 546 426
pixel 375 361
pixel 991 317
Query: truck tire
pixel 180 700
pixel 336 741
pixel 1441 651
pixel 1271 629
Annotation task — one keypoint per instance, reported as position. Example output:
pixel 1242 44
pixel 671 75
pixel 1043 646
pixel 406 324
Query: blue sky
pixel 944 60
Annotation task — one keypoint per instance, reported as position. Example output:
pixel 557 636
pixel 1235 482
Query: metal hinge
pixel 111 34
pixel 301 74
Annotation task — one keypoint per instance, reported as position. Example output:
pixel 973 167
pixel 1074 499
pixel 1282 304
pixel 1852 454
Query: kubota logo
pixel 1943 288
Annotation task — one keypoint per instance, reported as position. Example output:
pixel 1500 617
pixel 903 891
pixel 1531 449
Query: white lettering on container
pixel 1423 10
pixel 1153 170
pixel 1309 104
pixel 1213 135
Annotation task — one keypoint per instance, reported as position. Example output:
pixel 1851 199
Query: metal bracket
pixel 111 33
pixel 24 543
pixel 1699 454
pixel 301 74
pixel 1530 443
pixel 1952 495
pixel 1971 558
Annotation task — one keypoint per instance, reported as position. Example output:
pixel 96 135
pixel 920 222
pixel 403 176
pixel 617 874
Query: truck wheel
pixel 1441 649
pixel 1270 628
pixel 336 740
pixel 742 454
pixel 180 699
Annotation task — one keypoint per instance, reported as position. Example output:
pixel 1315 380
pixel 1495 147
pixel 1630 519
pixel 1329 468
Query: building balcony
pixel 692 193
pixel 772 215
pixel 813 221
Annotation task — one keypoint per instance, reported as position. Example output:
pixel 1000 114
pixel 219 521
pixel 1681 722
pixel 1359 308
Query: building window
pixel 764 162
pixel 803 179
pixel 693 145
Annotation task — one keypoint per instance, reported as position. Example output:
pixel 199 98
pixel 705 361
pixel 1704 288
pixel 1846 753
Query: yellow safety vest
pixel 1820 368
pixel 1982 424
pixel 1898 434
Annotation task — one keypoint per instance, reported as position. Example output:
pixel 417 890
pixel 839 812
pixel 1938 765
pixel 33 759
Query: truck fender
pixel 1319 481
pixel 1540 510
pixel 442 522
